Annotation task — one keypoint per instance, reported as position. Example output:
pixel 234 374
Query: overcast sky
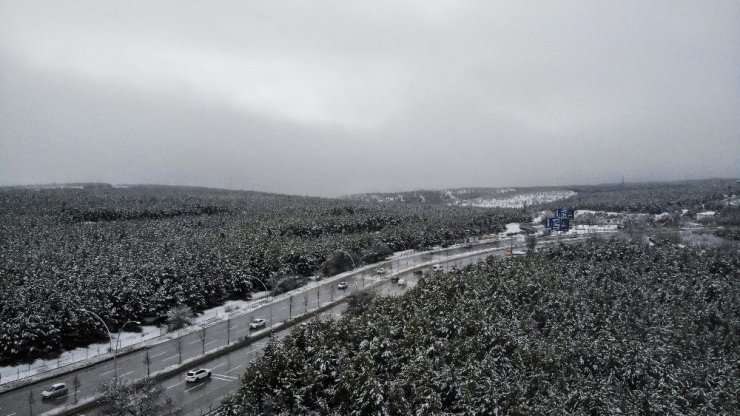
pixel 335 97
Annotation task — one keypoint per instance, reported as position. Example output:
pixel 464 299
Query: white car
pixel 199 374
pixel 402 282
pixel 54 391
pixel 381 270
pixel 437 268
pixel 257 323
pixel 342 285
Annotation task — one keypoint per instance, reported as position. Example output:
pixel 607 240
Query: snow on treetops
pixel 133 253
pixel 598 328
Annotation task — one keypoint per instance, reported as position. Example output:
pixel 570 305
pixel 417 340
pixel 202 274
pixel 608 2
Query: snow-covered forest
pixel 134 252
pixel 650 198
pixel 596 328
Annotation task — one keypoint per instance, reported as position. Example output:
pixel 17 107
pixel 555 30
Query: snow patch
pixel 517 201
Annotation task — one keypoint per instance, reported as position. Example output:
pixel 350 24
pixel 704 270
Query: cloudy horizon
pixel 334 98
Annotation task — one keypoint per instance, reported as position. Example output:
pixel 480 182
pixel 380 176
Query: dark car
pixel 54 391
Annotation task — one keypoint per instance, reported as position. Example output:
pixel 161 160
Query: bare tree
pixel 128 398
pixel 76 385
pixel 31 401
pixel 179 317
pixel 228 331
pixel 178 348
pixel 148 362
pixel 202 336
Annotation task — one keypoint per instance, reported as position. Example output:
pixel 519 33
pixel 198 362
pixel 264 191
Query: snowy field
pixel 516 201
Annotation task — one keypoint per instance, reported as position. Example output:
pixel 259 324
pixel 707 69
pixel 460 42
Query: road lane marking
pixel 107 372
pixel 224 378
pixel 220 365
pixel 243 330
pixel 161 353
pixel 175 385
pixel 199 397
pixel 169 358
pixel 124 375
pixel 194 387
pixel 215 340
pixel 226 372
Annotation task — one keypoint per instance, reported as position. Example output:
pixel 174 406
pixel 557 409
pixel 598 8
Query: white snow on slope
pixel 517 201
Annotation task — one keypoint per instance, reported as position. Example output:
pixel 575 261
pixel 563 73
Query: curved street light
pixel 263 285
pixel 115 364
pixel 361 258
pixel 354 266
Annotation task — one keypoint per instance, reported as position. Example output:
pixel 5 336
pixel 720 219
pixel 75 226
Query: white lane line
pixel 243 330
pixel 169 358
pixel 224 378
pixel 215 340
pixel 175 385
pixel 107 372
pixel 124 375
pixel 220 365
pixel 194 387
pixel 12 414
pixel 197 340
pixel 155 356
pixel 228 371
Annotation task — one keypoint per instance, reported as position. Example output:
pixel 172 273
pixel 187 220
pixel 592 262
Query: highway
pixel 226 368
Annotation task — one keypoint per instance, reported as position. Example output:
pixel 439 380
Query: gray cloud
pixel 328 98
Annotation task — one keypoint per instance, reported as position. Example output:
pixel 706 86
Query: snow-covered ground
pixel 585 229
pixel 513 228
pixel 401 254
pixel 516 201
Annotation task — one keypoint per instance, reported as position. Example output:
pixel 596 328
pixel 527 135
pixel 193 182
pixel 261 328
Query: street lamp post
pixel 115 363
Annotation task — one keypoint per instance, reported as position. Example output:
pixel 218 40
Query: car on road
pixel 54 391
pixel 342 285
pixel 418 272
pixel 381 270
pixel 257 323
pixel 437 268
pixel 402 282
pixel 199 374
